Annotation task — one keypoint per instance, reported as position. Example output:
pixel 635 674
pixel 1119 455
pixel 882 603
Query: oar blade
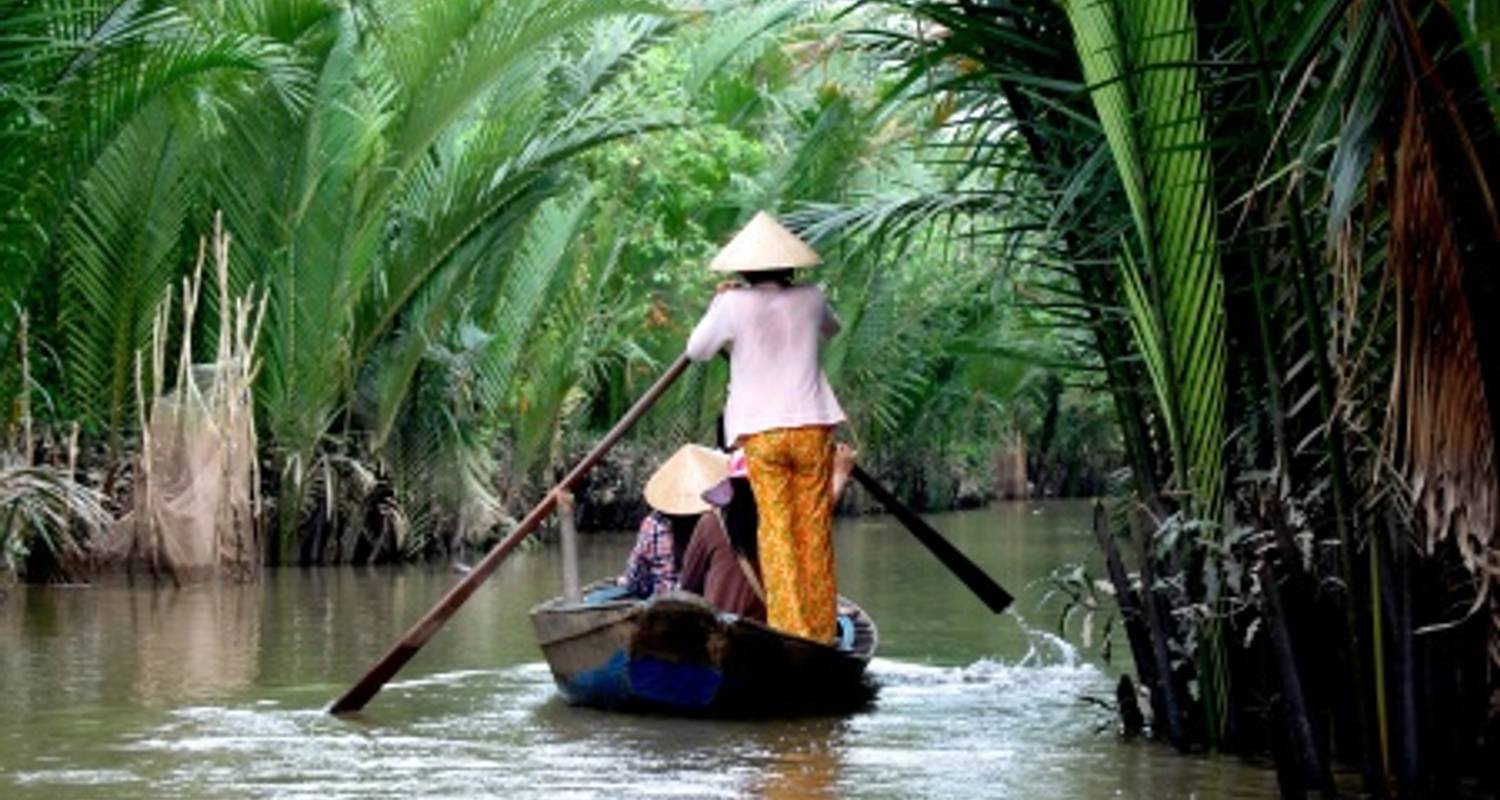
pixel 979 582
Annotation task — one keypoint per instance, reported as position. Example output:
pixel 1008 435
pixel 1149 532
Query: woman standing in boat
pixel 782 411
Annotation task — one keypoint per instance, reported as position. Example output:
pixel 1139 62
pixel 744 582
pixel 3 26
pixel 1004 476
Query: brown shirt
pixel 711 568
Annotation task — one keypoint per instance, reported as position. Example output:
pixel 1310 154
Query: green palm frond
pixel 162 54
pixel 737 36
pixel 587 330
pixel 431 135
pixel 445 56
pixel 319 257
pixel 441 454
pixel 606 52
pixel 1479 24
pixel 518 301
pixel 290 22
pixel 122 250
pixel 1140 63
pixel 509 296
pixel 74 76
pixel 477 196
pixel 44 505
pixel 876 362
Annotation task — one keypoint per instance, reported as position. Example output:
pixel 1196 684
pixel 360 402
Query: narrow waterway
pixel 213 692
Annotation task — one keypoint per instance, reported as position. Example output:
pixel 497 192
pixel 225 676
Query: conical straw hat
pixel 762 245
pixel 678 485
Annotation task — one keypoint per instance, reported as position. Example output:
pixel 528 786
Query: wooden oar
pixel 967 571
pixel 401 652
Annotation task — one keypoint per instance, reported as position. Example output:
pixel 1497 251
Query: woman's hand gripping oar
pixel 401 652
pixel 967 571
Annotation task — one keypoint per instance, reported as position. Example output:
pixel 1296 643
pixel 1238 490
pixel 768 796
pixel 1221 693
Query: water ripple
pixel 986 728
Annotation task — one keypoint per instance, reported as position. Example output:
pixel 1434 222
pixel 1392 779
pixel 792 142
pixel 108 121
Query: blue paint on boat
pixel 690 686
pixel 607 685
pixel 623 681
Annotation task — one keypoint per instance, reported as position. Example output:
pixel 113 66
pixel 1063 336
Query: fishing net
pixel 1011 479
pixel 196 496
pixel 196 500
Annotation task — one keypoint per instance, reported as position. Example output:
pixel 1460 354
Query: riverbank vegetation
pixel 478 230
pixel 1277 223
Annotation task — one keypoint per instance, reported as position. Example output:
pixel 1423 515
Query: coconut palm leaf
pixel 589 329
pixel 317 259
pixel 433 133
pixel 489 168
pixel 519 300
pixel 88 74
pixel 1140 61
pixel 464 199
pixel 608 50
pixel 445 57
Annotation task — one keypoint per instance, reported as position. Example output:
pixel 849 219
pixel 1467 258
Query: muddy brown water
pixel 217 692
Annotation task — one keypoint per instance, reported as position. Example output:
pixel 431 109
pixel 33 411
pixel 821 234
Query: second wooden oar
pixel 967 571
pixel 402 651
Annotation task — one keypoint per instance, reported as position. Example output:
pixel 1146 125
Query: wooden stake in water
pixel 568 525
pixel 402 651
pixel 26 448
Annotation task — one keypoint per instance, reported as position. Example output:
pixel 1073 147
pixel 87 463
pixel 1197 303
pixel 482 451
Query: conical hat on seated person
pixel 678 485
pixel 764 244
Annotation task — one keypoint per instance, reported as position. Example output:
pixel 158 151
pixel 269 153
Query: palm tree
pixel 376 162
pixel 432 138
pixel 92 92
pixel 1217 174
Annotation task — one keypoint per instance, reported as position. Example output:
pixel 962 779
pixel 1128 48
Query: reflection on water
pixel 216 692
pixel 201 646
pixel 810 772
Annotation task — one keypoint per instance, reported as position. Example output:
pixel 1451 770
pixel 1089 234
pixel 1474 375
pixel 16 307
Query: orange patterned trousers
pixel 791 472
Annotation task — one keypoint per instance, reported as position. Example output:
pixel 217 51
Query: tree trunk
pixel 1133 617
pixel 1310 766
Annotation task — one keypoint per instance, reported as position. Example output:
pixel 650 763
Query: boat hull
pixel 677 654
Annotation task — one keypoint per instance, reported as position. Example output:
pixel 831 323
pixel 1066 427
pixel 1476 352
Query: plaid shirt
pixel 650 569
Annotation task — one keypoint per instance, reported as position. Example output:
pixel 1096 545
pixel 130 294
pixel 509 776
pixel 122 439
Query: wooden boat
pixel 677 654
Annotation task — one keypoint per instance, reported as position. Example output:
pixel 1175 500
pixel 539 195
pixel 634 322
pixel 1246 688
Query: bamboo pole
pixel 26 442
pixel 407 646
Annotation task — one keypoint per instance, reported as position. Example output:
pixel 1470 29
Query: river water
pixel 217 691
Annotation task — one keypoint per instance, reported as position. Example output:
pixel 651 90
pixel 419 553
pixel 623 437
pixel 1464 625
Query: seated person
pixel 720 562
pixel 675 495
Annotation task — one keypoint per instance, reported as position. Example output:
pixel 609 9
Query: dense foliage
pixel 480 229
pixel 1277 220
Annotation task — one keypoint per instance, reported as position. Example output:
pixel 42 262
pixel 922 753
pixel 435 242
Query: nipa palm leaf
pixel 121 250
pixel 1139 61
